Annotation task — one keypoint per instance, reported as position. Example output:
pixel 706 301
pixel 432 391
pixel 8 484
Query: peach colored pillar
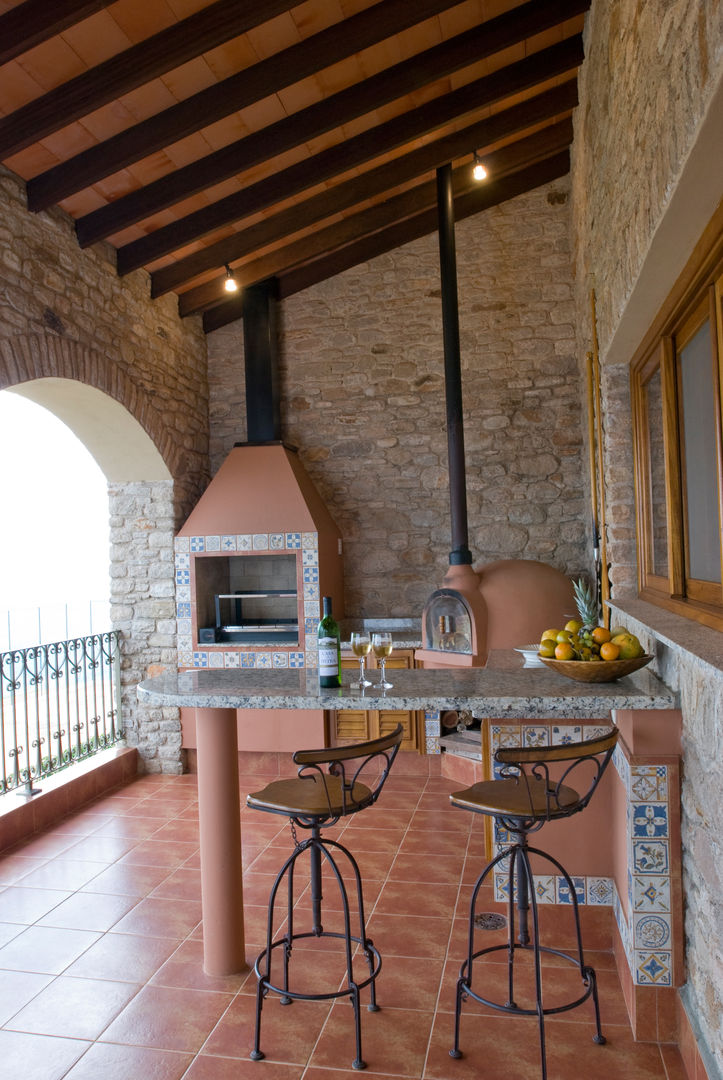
pixel 220 831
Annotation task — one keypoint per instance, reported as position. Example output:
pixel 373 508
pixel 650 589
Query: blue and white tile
pixel 433 727
pixel 248 659
pixel 280 659
pixel 215 659
pixel 311 610
pixel 311 591
pixel 228 543
pixel 649 819
pixel 277 541
pixel 198 543
pixel 562 734
pixel 310 557
pixel 200 659
pixel 621 766
pixel 502 886
pixel 261 541
pixel 244 542
pixel 653 968
pixel 563 891
pixel 545 888
pixel 293 540
pixel 311 574
pixel 182 560
pixel 310 626
pixel 310 540
pixel 651 892
pixel 594 731
pixel 213 543
pixel 432 745
pixel 183 577
pixel 296 660
pixel 535 735
pixel 263 660
pixel 432 714
pixel 649 783
pixel 652 931
pixel 599 890
pixel 183 592
pixel 231 660
pixel 183 609
pixel 183 628
pixel 185 656
pixel 181 543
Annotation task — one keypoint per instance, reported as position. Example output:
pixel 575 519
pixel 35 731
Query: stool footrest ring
pixel 369 951
pixel 587 975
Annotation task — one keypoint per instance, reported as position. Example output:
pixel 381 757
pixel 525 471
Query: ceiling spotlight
pixel 230 284
pixel 479 172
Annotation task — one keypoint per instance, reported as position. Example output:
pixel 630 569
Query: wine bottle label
pixel 328 657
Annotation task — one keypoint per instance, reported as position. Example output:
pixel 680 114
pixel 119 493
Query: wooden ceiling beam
pixel 374 182
pixel 412 228
pixel 501 164
pixel 523 75
pixel 309 123
pixel 297 62
pixel 185 40
pixel 33 22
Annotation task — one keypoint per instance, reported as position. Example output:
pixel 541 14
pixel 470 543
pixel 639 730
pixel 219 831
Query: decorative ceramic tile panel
pixel 244 542
pixel 311 592
pixel 535 735
pixel 650 857
pixel 228 543
pixel 653 968
pixel 311 610
pixel 215 659
pixel 183 577
pixel 432 745
pixel 276 541
pixel 183 610
pixel 311 574
pixel 296 660
pixel 213 543
pixel 562 734
pixel 261 541
pixel 310 557
pixel 651 892
pixel 183 628
pixel 280 659
pixel 649 819
pixel 200 659
pixel 231 660
pixel 563 890
pixel 293 540
pixel 198 543
pixel 263 660
pixel 248 660
pixel 545 888
pixel 181 543
pixel 183 592
pixel 599 890
pixel 182 560
pixel 310 540
pixel 649 783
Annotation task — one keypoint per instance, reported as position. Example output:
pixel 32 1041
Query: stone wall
pixel 650 72
pixel 64 313
pixel 363 398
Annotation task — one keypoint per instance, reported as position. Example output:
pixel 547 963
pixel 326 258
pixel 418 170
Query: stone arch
pixel 48 359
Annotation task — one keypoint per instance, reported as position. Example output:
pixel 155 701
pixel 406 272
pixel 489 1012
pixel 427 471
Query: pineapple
pixel 587 607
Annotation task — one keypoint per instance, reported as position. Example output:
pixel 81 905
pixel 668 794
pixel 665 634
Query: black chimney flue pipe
pixel 263 410
pixel 460 553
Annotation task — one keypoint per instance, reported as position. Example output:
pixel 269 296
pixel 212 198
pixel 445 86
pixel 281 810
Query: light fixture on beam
pixel 479 171
pixel 230 284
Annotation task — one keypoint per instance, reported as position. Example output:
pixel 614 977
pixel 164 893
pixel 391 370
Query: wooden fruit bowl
pixel 596 671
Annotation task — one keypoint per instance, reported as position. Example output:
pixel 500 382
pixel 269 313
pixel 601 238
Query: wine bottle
pixel 329 648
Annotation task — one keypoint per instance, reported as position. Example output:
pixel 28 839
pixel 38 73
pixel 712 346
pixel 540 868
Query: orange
pixel 601 635
pixel 608 651
pixel 564 651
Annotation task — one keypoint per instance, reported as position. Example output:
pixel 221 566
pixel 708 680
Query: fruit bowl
pixel 596 671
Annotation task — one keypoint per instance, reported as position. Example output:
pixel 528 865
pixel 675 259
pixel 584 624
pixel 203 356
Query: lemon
pixel 550 634
pixel 547 649
pixel 574 626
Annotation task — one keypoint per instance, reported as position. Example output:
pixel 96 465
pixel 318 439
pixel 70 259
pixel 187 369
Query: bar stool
pixel 313 800
pixel 524 797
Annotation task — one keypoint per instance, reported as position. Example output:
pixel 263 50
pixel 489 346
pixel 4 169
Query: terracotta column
pixel 220 831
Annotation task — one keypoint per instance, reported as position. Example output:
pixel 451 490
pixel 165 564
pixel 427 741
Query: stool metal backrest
pixel 583 763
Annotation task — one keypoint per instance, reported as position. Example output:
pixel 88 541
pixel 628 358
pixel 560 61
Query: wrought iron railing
pixel 60 703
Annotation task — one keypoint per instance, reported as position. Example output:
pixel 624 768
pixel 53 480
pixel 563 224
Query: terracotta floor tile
pixel 19 904
pixel 166 1018
pixel 74 1008
pixel 184 969
pixel 425 868
pixel 161 918
pixel 89 911
pixel 38 1057
pixel 288 1032
pixel 410 935
pixel 178 829
pixel 131 827
pixel 404 898
pixel 169 853
pixel 206 1067
pixel 62 873
pixel 17 988
pixel 103 849
pixel 432 822
pixel 182 884
pixel 45 846
pixel 421 841
pixel 14 867
pixel 109 1062
pixel 409 982
pixel 393 1041
pixel 374 839
pixel 127 880
pixel 124 957
pixel 45 949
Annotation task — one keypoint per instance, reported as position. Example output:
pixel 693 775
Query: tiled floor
pixel 100 955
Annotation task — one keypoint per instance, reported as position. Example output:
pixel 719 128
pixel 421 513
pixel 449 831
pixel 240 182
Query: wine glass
pixel 382 645
pixel 360 646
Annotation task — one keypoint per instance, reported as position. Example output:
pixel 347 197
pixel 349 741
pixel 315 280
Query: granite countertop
pixel 406 633
pixel 503 689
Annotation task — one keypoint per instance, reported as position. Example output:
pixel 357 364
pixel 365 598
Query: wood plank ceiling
pixel 286 140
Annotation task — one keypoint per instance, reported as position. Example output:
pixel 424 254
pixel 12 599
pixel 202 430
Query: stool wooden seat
pixel 534 786
pixel 328 787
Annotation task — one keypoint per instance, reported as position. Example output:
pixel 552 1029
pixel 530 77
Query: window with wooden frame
pixel 677 389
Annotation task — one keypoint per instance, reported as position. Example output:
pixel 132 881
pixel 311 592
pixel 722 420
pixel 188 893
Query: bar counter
pixel 505 689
